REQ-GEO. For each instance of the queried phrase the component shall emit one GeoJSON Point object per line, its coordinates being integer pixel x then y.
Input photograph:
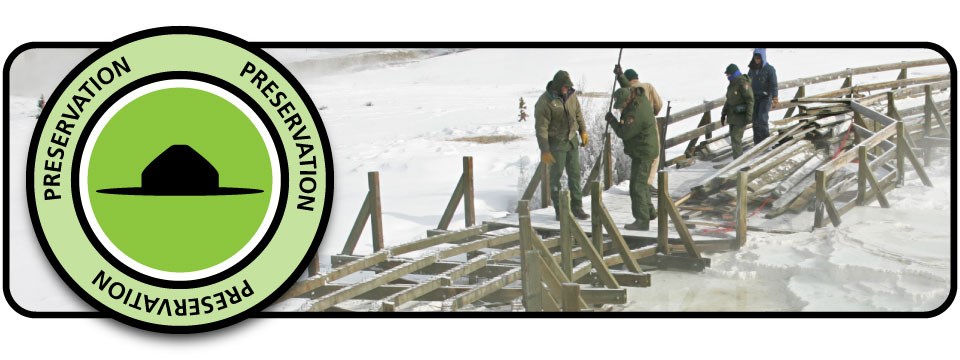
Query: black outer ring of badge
{"type": "Point", "coordinates": [97, 116]}
{"type": "Point", "coordinates": [532, 45]}
{"type": "Point", "coordinates": [31, 158]}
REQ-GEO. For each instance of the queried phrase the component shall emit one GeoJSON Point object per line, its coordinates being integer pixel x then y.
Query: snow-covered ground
{"type": "Point", "coordinates": [399, 116]}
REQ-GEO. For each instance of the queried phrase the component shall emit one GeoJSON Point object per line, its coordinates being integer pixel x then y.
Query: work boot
{"type": "Point", "coordinates": [579, 214]}
{"type": "Point", "coordinates": [638, 225]}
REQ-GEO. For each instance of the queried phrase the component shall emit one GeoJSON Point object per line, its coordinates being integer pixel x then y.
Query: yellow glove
{"type": "Point", "coordinates": [547, 158]}
{"type": "Point", "coordinates": [585, 138]}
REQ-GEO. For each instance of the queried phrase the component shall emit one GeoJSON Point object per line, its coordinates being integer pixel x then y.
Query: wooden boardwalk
{"type": "Point", "coordinates": [530, 261]}
{"type": "Point", "coordinates": [617, 201]}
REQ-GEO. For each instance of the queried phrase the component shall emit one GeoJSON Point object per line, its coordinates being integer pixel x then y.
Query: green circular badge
{"type": "Point", "coordinates": [179, 179]}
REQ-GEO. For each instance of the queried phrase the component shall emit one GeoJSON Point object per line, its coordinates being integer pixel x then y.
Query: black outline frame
{"type": "Point", "coordinates": [533, 45]}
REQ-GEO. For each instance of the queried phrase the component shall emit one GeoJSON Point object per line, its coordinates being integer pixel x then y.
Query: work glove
{"type": "Point", "coordinates": [585, 139]}
{"type": "Point", "coordinates": [610, 117]}
{"type": "Point", "coordinates": [546, 157]}
{"type": "Point", "coordinates": [617, 70]}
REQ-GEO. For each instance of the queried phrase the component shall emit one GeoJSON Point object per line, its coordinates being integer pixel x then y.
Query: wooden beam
{"type": "Point", "coordinates": [452, 204]}
{"type": "Point", "coordinates": [903, 142]}
{"type": "Point", "coordinates": [376, 214]}
{"type": "Point", "coordinates": [618, 242]}
{"type": "Point", "coordinates": [383, 278]}
{"type": "Point", "coordinates": [479, 292]}
{"type": "Point", "coordinates": [591, 253]}
{"type": "Point", "coordinates": [469, 210]}
{"type": "Point", "coordinates": [533, 185]}
{"type": "Point", "coordinates": [566, 235]}
{"type": "Point", "coordinates": [867, 177]}
{"type": "Point", "coordinates": [741, 237]}
{"type": "Point", "coordinates": [437, 240]}
{"type": "Point", "coordinates": [821, 180]}
{"type": "Point", "coordinates": [358, 226]}
{"type": "Point", "coordinates": [607, 162]}
{"type": "Point", "coordinates": [571, 297]}
{"type": "Point", "coordinates": [532, 284]}
{"type": "Point", "coordinates": [663, 227]}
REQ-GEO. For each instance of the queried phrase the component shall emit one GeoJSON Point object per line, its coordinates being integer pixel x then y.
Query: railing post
{"type": "Point", "coordinates": [607, 162]}
{"type": "Point", "coordinates": [864, 167]}
{"type": "Point", "coordinates": [901, 145]}
{"type": "Point", "coordinates": [376, 216]}
{"type": "Point", "coordinates": [927, 123]}
{"type": "Point", "coordinates": [313, 268]}
{"type": "Point", "coordinates": [571, 297]}
{"type": "Point", "coordinates": [662, 224]}
{"type": "Point", "coordinates": [545, 185]}
{"type": "Point", "coordinates": [902, 76]}
{"type": "Point", "coordinates": [523, 209]}
{"type": "Point", "coordinates": [741, 239]}
{"type": "Point", "coordinates": [892, 107]}
{"type": "Point", "coordinates": [596, 202]}
{"type": "Point", "coordinates": [801, 92]}
{"type": "Point", "coordinates": [566, 237]}
{"type": "Point", "coordinates": [529, 262]}
{"type": "Point", "coordinates": [469, 212]}
{"type": "Point", "coordinates": [820, 183]}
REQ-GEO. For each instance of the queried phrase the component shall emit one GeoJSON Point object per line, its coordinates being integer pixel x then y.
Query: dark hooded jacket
{"type": "Point", "coordinates": [763, 77]}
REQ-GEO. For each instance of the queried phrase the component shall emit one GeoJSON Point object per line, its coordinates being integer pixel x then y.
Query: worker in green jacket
{"type": "Point", "coordinates": [738, 110]}
{"type": "Point", "coordinates": [559, 120]}
{"type": "Point", "coordinates": [637, 127]}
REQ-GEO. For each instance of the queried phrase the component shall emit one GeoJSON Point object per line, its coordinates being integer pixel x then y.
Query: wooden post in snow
{"type": "Point", "coordinates": [376, 216]}
{"type": "Point", "coordinates": [469, 211]}
{"type": "Point", "coordinates": [741, 237]}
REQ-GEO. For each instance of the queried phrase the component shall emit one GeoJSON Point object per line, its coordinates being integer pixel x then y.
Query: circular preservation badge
{"type": "Point", "coordinates": [179, 179]}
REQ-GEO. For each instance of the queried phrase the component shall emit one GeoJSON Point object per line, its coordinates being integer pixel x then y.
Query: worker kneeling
{"type": "Point", "coordinates": [638, 129]}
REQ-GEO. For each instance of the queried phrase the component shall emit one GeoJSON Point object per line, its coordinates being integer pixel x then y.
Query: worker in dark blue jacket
{"type": "Point", "coordinates": [764, 80]}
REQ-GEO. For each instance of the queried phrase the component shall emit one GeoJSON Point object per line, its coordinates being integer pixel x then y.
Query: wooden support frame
{"type": "Point", "coordinates": [566, 236]}
{"type": "Point", "coordinates": [596, 225]}
{"type": "Point", "coordinates": [464, 191]}
{"type": "Point", "coordinates": [663, 197]}
{"type": "Point", "coordinates": [825, 201]}
{"type": "Point", "coordinates": [708, 133]}
{"type": "Point", "coordinates": [663, 226]}
{"type": "Point", "coordinates": [905, 150]}
{"type": "Point", "coordinates": [801, 93]}
{"type": "Point", "coordinates": [607, 162]}
{"type": "Point", "coordinates": [866, 177]}
{"type": "Point", "coordinates": [371, 209]}
{"type": "Point", "coordinates": [741, 225]}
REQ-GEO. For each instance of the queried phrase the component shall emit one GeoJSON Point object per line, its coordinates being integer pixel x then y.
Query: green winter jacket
{"type": "Point", "coordinates": [739, 92]}
{"type": "Point", "coordinates": [558, 119]}
{"type": "Point", "coordinates": [638, 128]}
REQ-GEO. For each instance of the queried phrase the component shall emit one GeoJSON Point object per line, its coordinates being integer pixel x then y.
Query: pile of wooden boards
{"type": "Point", "coordinates": [780, 170]}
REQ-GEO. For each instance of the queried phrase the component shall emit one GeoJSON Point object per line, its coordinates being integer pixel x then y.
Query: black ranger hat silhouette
{"type": "Point", "coordinates": [180, 171]}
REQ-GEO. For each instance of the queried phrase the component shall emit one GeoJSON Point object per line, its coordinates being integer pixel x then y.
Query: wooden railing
{"type": "Point", "coordinates": [869, 187]}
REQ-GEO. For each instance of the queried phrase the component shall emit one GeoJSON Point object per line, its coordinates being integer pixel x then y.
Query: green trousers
{"type": "Point", "coordinates": [567, 155]}
{"type": "Point", "coordinates": [640, 202]}
{"type": "Point", "coordinates": [736, 139]}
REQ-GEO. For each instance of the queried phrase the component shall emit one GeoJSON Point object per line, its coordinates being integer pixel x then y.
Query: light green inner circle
{"type": "Point", "coordinates": [179, 233]}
